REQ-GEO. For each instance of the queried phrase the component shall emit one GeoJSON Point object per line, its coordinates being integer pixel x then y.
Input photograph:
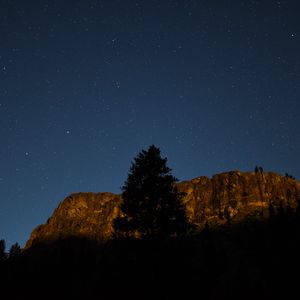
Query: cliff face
{"type": "Point", "coordinates": [236, 196]}
{"type": "Point", "coordinates": [228, 196]}
{"type": "Point", "coordinates": [81, 215]}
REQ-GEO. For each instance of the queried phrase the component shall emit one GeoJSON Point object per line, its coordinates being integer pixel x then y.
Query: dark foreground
{"type": "Point", "coordinates": [253, 260]}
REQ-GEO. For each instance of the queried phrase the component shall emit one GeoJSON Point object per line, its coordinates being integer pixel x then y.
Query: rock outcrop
{"type": "Point", "coordinates": [232, 196]}
{"type": "Point", "coordinates": [80, 215]}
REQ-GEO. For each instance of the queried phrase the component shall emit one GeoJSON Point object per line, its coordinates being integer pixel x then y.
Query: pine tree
{"type": "Point", "coordinates": [151, 207]}
{"type": "Point", "coordinates": [14, 250]}
{"type": "Point", "coordinates": [2, 250]}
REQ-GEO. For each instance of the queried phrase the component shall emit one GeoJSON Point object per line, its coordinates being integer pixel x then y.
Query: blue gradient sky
{"type": "Point", "coordinates": [85, 85]}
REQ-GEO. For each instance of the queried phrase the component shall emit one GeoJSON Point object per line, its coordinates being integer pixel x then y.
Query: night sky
{"type": "Point", "coordinates": [85, 85]}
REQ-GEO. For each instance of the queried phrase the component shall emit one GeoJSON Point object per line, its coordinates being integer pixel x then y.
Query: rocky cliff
{"type": "Point", "coordinates": [231, 196]}
{"type": "Point", "coordinates": [81, 215]}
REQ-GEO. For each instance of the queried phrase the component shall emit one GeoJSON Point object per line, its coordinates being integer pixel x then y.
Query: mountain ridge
{"type": "Point", "coordinates": [225, 197]}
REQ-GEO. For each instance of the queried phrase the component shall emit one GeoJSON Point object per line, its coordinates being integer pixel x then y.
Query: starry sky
{"type": "Point", "coordinates": [85, 85]}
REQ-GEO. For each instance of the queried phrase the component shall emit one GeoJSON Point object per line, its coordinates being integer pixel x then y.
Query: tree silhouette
{"type": "Point", "coordinates": [2, 250]}
{"type": "Point", "coordinates": [272, 212]}
{"type": "Point", "coordinates": [14, 250]}
{"type": "Point", "coordinates": [258, 169]}
{"type": "Point", "coordinates": [287, 175]}
{"type": "Point", "coordinates": [151, 207]}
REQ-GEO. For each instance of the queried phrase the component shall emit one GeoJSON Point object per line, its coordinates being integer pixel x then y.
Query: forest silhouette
{"type": "Point", "coordinates": [156, 254]}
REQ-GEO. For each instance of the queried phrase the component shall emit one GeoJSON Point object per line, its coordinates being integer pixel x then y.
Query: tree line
{"type": "Point", "coordinates": [14, 251]}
